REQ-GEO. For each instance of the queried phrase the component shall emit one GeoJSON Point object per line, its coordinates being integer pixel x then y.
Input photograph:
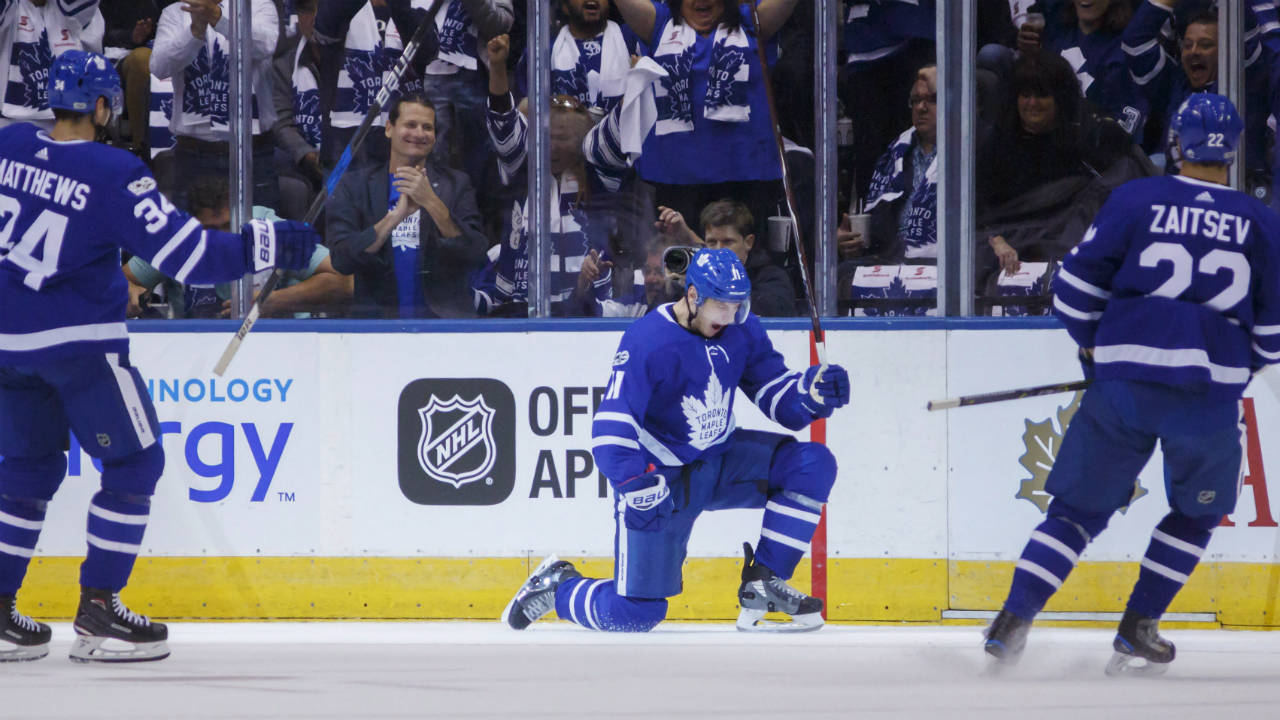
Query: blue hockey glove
{"type": "Point", "coordinates": [1085, 355]}
{"type": "Point", "coordinates": [830, 385]}
{"type": "Point", "coordinates": [284, 244]}
{"type": "Point", "coordinates": [647, 501]}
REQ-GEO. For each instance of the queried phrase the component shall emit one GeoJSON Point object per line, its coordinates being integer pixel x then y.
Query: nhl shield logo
{"type": "Point", "coordinates": [456, 445]}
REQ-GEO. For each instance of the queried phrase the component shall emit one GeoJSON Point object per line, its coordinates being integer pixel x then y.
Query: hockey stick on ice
{"type": "Point", "coordinates": [375, 109]}
{"type": "Point", "coordinates": [819, 339]}
{"type": "Point", "coordinates": [1003, 395]}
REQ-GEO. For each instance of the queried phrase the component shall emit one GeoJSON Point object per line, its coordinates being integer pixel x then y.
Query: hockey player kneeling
{"type": "Point", "coordinates": [665, 437]}
{"type": "Point", "coordinates": [1174, 299]}
{"type": "Point", "coordinates": [67, 206]}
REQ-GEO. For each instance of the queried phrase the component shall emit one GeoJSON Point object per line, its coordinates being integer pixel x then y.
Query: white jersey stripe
{"type": "Point", "coordinates": [113, 546]}
{"type": "Point", "coordinates": [588, 610]}
{"type": "Point", "coordinates": [1082, 285]}
{"type": "Point", "coordinates": [617, 417]}
{"type": "Point", "coordinates": [25, 342]}
{"type": "Point", "coordinates": [177, 239]}
{"type": "Point", "coordinates": [809, 517]}
{"type": "Point", "coordinates": [1177, 544]}
{"type": "Point", "coordinates": [15, 521]}
{"type": "Point", "coordinates": [1168, 572]}
{"type": "Point", "coordinates": [194, 259]}
{"type": "Point", "coordinates": [115, 517]}
{"type": "Point", "coordinates": [1161, 357]}
{"type": "Point", "coordinates": [784, 539]}
{"type": "Point", "coordinates": [1034, 569]}
{"type": "Point", "coordinates": [1056, 545]}
{"type": "Point", "coordinates": [1071, 312]}
{"type": "Point", "coordinates": [133, 405]}
{"type": "Point", "coordinates": [21, 552]}
{"type": "Point", "coordinates": [604, 440]}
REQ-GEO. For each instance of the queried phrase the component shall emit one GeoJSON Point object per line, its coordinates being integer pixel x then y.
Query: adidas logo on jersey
{"type": "Point", "coordinates": [43, 154]}
{"type": "Point", "coordinates": [1204, 197]}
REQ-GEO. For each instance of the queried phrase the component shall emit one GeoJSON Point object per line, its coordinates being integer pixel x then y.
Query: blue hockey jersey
{"type": "Point", "coordinates": [670, 396]}
{"type": "Point", "coordinates": [66, 209]}
{"type": "Point", "coordinates": [1177, 282]}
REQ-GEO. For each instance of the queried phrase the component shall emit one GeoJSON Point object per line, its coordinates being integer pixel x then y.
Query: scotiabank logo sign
{"type": "Point", "coordinates": [457, 441]}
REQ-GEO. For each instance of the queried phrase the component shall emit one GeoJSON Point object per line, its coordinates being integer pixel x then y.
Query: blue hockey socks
{"type": "Point", "coordinates": [20, 524]}
{"type": "Point", "coordinates": [1176, 546]}
{"type": "Point", "coordinates": [790, 520]}
{"type": "Point", "coordinates": [116, 525]}
{"type": "Point", "coordinates": [594, 604]}
{"type": "Point", "coordinates": [1047, 560]}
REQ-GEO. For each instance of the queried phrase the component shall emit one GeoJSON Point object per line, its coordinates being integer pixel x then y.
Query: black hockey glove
{"type": "Point", "coordinates": [284, 244]}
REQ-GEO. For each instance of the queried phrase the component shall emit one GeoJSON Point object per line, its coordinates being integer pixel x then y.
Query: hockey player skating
{"type": "Point", "coordinates": [67, 206]}
{"type": "Point", "coordinates": [1174, 299]}
{"type": "Point", "coordinates": [665, 437]}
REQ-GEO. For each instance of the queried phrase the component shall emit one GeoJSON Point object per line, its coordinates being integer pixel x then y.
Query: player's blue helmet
{"type": "Point", "coordinates": [1208, 129]}
{"type": "Point", "coordinates": [78, 78]}
{"type": "Point", "coordinates": [719, 275]}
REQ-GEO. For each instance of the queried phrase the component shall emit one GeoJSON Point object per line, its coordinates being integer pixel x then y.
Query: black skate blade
{"type": "Point", "coordinates": [1126, 665]}
{"type": "Point", "coordinates": [754, 621]}
{"type": "Point", "coordinates": [95, 649]}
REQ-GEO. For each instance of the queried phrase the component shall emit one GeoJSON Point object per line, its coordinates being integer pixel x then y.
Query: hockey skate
{"type": "Point", "coordinates": [764, 592]}
{"type": "Point", "coordinates": [107, 631]}
{"type": "Point", "coordinates": [537, 596]}
{"type": "Point", "coordinates": [1006, 638]}
{"type": "Point", "coordinates": [21, 638]}
{"type": "Point", "coordinates": [1140, 651]}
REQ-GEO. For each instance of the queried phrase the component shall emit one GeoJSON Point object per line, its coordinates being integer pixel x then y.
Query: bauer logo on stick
{"type": "Point", "coordinates": [457, 441]}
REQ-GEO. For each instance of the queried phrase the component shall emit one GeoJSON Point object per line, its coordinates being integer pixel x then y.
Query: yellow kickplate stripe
{"type": "Point", "coordinates": [859, 589]}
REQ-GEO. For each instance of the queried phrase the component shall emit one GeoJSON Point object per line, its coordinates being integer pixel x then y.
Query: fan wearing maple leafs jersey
{"type": "Point", "coordinates": [1174, 299]}
{"type": "Point", "coordinates": [665, 437]}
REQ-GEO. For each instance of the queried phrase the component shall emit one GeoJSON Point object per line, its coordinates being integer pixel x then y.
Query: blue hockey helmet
{"type": "Point", "coordinates": [1207, 128]}
{"type": "Point", "coordinates": [78, 78]}
{"type": "Point", "coordinates": [719, 275]}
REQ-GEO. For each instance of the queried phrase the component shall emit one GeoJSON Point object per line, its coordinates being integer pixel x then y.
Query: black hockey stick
{"type": "Point", "coordinates": [1003, 395]}
{"type": "Point", "coordinates": [819, 339]}
{"type": "Point", "coordinates": [317, 206]}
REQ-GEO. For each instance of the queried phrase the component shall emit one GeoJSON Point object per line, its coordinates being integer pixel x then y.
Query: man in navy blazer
{"type": "Point", "coordinates": [410, 230]}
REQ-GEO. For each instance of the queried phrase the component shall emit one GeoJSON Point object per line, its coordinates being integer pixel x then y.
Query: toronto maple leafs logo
{"type": "Point", "coordinates": [676, 104]}
{"type": "Point", "coordinates": [1042, 441]}
{"type": "Point", "coordinates": [723, 89]}
{"type": "Point", "coordinates": [33, 61]}
{"type": "Point", "coordinates": [453, 31]}
{"type": "Point", "coordinates": [364, 67]}
{"type": "Point", "coordinates": [708, 417]}
{"type": "Point", "coordinates": [306, 113]}
{"type": "Point", "coordinates": [572, 82]}
{"type": "Point", "coordinates": [206, 83]}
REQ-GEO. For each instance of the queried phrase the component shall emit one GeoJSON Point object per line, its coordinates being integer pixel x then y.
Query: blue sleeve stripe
{"type": "Point", "coordinates": [194, 259]}
{"type": "Point", "coordinates": [177, 239]}
{"type": "Point", "coordinates": [1082, 285]}
{"type": "Point", "coordinates": [603, 440]}
{"type": "Point", "coordinates": [1073, 313]}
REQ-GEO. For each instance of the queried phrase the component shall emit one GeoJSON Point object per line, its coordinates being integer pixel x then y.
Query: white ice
{"type": "Point", "coordinates": [554, 670]}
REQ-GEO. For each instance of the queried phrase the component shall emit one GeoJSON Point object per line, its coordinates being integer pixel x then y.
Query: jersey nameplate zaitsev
{"type": "Point", "coordinates": [1177, 282]}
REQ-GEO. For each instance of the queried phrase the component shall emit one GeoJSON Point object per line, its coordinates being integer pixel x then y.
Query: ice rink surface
{"type": "Point", "coordinates": [554, 670]}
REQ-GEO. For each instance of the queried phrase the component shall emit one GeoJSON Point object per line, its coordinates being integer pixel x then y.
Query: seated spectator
{"type": "Point", "coordinates": [32, 34]}
{"type": "Point", "coordinates": [408, 229]}
{"type": "Point", "coordinates": [728, 224]}
{"type": "Point", "coordinates": [590, 56]}
{"type": "Point", "coordinates": [455, 81]}
{"type": "Point", "coordinates": [903, 198]}
{"type": "Point", "coordinates": [362, 39]}
{"type": "Point", "coordinates": [581, 275]}
{"type": "Point", "coordinates": [1045, 167]}
{"type": "Point", "coordinates": [1087, 34]}
{"type": "Point", "coordinates": [130, 27]}
{"type": "Point", "coordinates": [316, 289]}
{"type": "Point", "coordinates": [712, 97]}
{"type": "Point", "coordinates": [1166, 81]}
{"type": "Point", "coordinates": [192, 48]}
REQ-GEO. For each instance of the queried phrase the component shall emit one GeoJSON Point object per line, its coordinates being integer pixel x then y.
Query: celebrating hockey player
{"type": "Point", "coordinates": [665, 437]}
{"type": "Point", "coordinates": [1174, 299]}
{"type": "Point", "coordinates": [67, 206]}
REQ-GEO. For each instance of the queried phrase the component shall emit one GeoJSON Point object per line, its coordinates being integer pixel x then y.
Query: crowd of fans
{"type": "Point", "coordinates": [660, 136]}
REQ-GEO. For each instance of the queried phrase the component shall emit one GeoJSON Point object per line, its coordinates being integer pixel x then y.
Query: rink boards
{"type": "Point", "coordinates": [418, 475]}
